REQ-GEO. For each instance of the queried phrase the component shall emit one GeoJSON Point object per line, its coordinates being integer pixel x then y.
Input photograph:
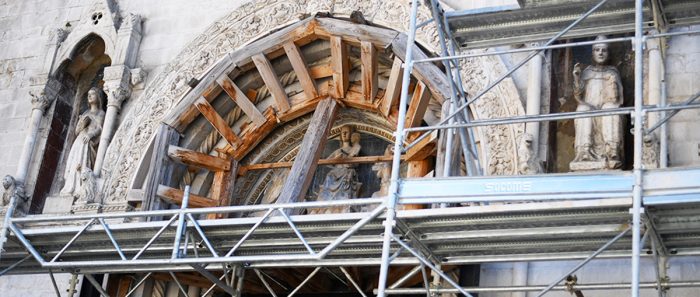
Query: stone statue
{"type": "Point", "coordinates": [598, 87]}
{"type": "Point", "coordinates": [341, 182]}
{"type": "Point", "coordinates": [14, 188]}
{"type": "Point", "coordinates": [528, 163]}
{"type": "Point", "coordinates": [84, 148]}
{"type": "Point", "coordinates": [86, 192]}
{"type": "Point", "coordinates": [383, 171]}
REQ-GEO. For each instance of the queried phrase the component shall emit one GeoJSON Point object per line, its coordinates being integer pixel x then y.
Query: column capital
{"type": "Point", "coordinates": [39, 100]}
{"type": "Point", "coordinates": [116, 95]}
{"type": "Point", "coordinates": [57, 36]}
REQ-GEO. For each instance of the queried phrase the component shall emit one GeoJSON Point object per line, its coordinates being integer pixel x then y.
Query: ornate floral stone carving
{"type": "Point", "coordinates": [259, 17]}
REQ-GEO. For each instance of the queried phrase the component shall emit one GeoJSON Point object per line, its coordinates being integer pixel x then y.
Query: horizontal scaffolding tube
{"type": "Point", "coordinates": [207, 210]}
{"type": "Point", "coordinates": [410, 291]}
{"type": "Point", "coordinates": [555, 46]}
{"type": "Point", "coordinates": [529, 49]}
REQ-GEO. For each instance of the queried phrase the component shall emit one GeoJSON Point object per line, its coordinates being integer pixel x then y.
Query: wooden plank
{"type": "Point", "coordinates": [161, 169]}
{"type": "Point", "coordinates": [222, 187]}
{"type": "Point", "coordinates": [217, 121]}
{"type": "Point", "coordinates": [175, 196]}
{"type": "Point", "coordinates": [368, 56]}
{"type": "Point", "coordinates": [241, 100]}
{"type": "Point", "coordinates": [417, 106]}
{"type": "Point", "coordinates": [197, 159]}
{"type": "Point", "coordinates": [251, 136]}
{"type": "Point", "coordinates": [428, 73]}
{"type": "Point", "coordinates": [312, 145]}
{"type": "Point", "coordinates": [321, 71]}
{"type": "Point", "coordinates": [339, 64]}
{"type": "Point", "coordinates": [354, 160]}
{"type": "Point", "coordinates": [272, 82]}
{"type": "Point", "coordinates": [354, 33]}
{"type": "Point", "coordinates": [418, 168]}
{"type": "Point", "coordinates": [393, 88]}
{"type": "Point", "coordinates": [423, 149]}
{"type": "Point", "coordinates": [302, 72]}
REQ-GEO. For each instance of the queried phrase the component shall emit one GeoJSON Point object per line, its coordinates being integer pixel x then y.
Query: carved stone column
{"type": "Point", "coordinates": [534, 97]}
{"type": "Point", "coordinates": [115, 98]}
{"type": "Point", "coordinates": [650, 150]}
{"type": "Point", "coordinates": [40, 102]}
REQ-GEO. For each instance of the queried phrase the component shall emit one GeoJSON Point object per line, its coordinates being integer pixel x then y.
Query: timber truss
{"type": "Point", "coordinates": [567, 216]}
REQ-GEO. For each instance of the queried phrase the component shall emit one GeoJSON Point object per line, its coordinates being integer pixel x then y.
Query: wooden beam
{"type": "Point", "coordinates": [241, 100]}
{"type": "Point", "coordinates": [217, 121]}
{"type": "Point", "coordinates": [222, 187]}
{"type": "Point", "coordinates": [354, 160]}
{"type": "Point", "coordinates": [428, 73]}
{"type": "Point", "coordinates": [197, 159]}
{"type": "Point", "coordinates": [161, 169]}
{"type": "Point", "coordinates": [393, 88]}
{"type": "Point", "coordinates": [423, 149]}
{"type": "Point", "coordinates": [368, 55]}
{"type": "Point", "coordinates": [417, 106]}
{"type": "Point", "coordinates": [272, 82]}
{"type": "Point", "coordinates": [320, 71]}
{"type": "Point", "coordinates": [312, 145]}
{"type": "Point", "coordinates": [175, 196]}
{"type": "Point", "coordinates": [302, 72]}
{"type": "Point", "coordinates": [251, 136]}
{"type": "Point", "coordinates": [354, 33]}
{"type": "Point", "coordinates": [339, 64]}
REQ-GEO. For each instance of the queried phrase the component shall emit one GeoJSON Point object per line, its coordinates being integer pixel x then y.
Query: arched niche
{"type": "Point", "coordinates": [252, 22]}
{"type": "Point", "coordinates": [80, 71]}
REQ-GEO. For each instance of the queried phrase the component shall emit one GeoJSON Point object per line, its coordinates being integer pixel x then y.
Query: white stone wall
{"type": "Point", "coordinates": [604, 271]}
{"type": "Point", "coordinates": [682, 81]}
{"type": "Point", "coordinates": [35, 285]}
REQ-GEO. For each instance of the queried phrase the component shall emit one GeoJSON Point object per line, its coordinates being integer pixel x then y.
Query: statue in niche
{"type": "Point", "coordinates": [528, 162]}
{"type": "Point", "coordinates": [341, 182]}
{"type": "Point", "coordinates": [82, 153]}
{"type": "Point", "coordinates": [597, 87]}
{"type": "Point", "coordinates": [14, 188]}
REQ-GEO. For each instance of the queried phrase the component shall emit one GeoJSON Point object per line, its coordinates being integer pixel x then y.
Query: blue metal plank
{"type": "Point", "coordinates": [535, 187]}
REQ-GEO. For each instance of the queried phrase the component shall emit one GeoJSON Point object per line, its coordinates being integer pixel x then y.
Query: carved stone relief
{"type": "Point", "coordinates": [256, 18]}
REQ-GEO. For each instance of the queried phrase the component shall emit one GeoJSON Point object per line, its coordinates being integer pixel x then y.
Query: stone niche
{"type": "Point", "coordinates": [562, 135]}
{"type": "Point", "coordinates": [79, 74]}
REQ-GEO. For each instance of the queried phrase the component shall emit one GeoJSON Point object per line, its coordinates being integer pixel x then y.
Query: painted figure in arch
{"type": "Point", "coordinates": [597, 87]}
{"type": "Point", "coordinates": [82, 152]}
{"type": "Point", "coordinates": [342, 182]}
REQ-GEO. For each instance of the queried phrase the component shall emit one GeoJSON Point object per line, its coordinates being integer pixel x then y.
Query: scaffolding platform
{"type": "Point", "coordinates": [569, 217]}
{"type": "Point", "coordinates": [538, 20]}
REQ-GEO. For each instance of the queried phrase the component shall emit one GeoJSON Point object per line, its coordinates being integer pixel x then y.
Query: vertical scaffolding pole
{"type": "Point", "coordinates": [393, 195]}
{"type": "Point", "coordinates": [638, 122]}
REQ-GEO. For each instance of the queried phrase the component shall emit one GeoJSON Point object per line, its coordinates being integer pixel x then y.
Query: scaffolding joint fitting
{"type": "Point", "coordinates": [641, 210]}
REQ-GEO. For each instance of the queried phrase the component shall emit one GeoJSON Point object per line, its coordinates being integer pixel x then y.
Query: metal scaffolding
{"type": "Point", "coordinates": [605, 212]}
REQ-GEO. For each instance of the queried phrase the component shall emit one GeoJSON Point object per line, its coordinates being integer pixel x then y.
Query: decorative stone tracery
{"type": "Point", "coordinates": [260, 17]}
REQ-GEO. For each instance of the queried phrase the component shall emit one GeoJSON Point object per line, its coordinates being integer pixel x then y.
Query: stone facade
{"type": "Point", "coordinates": [180, 40]}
